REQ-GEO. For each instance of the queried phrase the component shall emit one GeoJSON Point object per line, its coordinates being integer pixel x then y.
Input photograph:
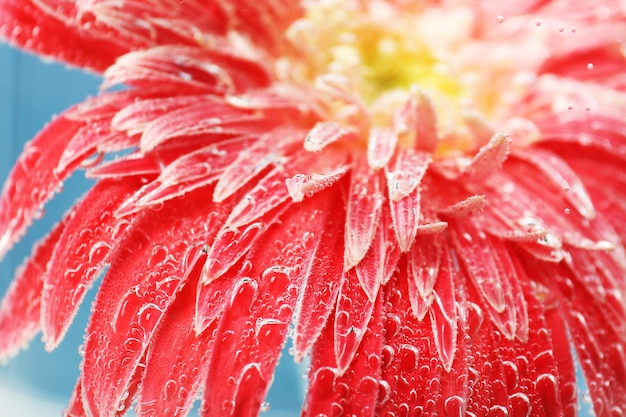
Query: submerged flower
{"type": "Point", "coordinates": [427, 197]}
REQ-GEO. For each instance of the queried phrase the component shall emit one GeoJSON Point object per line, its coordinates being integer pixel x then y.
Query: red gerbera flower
{"type": "Point", "coordinates": [427, 197]}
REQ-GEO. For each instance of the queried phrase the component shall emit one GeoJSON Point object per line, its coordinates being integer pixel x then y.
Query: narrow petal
{"type": "Point", "coordinates": [171, 390]}
{"type": "Point", "coordinates": [91, 232]}
{"type": "Point", "coordinates": [381, 145]}
{"type": "Point", "coordinates": [356, 390]}
{"type": "Point", "coordinates": [325, 133]}
{"type": "Point", "coordinates": [48, 27]}
{"type": "Point", "coordinates": [403, 182]}
{"type": "Point", "coordinates": [489, 158]}
{"type": "Point", "coordinates": [35, 170]}
{"type": "Point", "coordinates": [20, 310]}
{"type": "Point", "coordinates": [365, 201]}
{"type": "Point", "coordinates": [119, 333]}
{"type": "Point", "coordinates": [380, 261]}
{"type": "Point", "coordinates": [254, 323]}
{"type": "Point", "coordinates": [352, 315]}
{"type": "Point", "coordinates": [416, 122]}
{"type": "Point", "coordinates": [322, 279]}
{"type": "Point", "coordinates": [488, 265]}
{"type": "Point", "coordinates": [250, 162]}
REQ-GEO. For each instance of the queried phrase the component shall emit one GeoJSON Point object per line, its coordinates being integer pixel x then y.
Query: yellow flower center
{"type": "Point", "coordinates": [376, 54]}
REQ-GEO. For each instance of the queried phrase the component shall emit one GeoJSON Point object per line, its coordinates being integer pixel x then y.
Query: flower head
{"type": "Point", "coordinates": [427, 197]}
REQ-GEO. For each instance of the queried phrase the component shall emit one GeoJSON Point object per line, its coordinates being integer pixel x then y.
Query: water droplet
{"type": "Point", "coordinates": [537, 23]}
{"type": "Point", "coordinates": [454, 406]}
{"type": "Point", "coordinates": [169, 389]}
{"type": "Point", "coordinates": [408, 358]}
{"type": "Point", "coordinates": [546, 386]}
{"type": "Point", "coordinates": [590, 66]}
{"type": "Point", "coordinates": [265, 407]}
{"type": "Point", "coordinates": [511, 374]}
{"type": "Point", "coordinates": [572, 29]}
{"type": "Point", "coordinates": [568, 211]}
{"type": "Point", "coordinates": [500, 19]}
{"type": "Point", "coordinates": [367, 386]}
{"type": "Point", "coordinates": [498, 411]}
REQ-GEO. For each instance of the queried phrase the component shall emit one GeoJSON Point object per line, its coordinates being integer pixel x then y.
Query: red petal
{"type": "Point", "coordinates": [90, 233]}
{"type": "Point", "coordinates": [443, 312]}
{"type": "Point", "coordinates": [254, 324]}
{"type": "Point", "coordinates": [53, 28]}
{"type": "Point", "coordinates": [20, 311]}
{"type": "Point", "coordinates": [352, 315]}
{"type": "Point", "coordinates": [187, 69]}
{"type": "Point", "coordinates": [489, 266]}
{"type": "Point", "coordinates": [120, 331]}
{"type": "Point", "coordinates": [403, 182]}
{"type": "Point", "coordinates": [380, 261]}
{"type": "Point", "coordinates": [36, 171]}
{"type": "Point", "coordinates": [325, 133]}
{"type": "Point", "coordinates": [176, 363]}
{"type": "Point", "coordinates": [322, 278]}
{"type": "Point", "coordinates": [332, 169]}
{"type": "Point", "coordinates": [416, 122]}
{"type": "Point", "coordinates": [75, 407]}
{"type": "Point", "coordinates": [355, 391]}
{"type": "Point", "coordinates": [250, 162]}
{"type": "Point", "coordinates": [412, 377]}
{"type": "Point", "coordinates": [562, 176]}
{"type": "Point", "coordinates": [381, 144]}
{"type": "Point", "coordinates": [488, 159]}
{"type": "Point", "coordinates": [365, 201]}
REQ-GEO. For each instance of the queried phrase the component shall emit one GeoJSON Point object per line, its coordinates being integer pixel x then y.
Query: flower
{"type": "Point", "coordinates": [426, 197]}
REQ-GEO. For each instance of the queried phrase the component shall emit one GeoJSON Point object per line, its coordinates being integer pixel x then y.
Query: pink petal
{"type": "Point", "coordinates": [204, 119]}
{"type": "Point", "coordinates": [250, 162]}
{"type": "Point", "coordinates": [270, 191]}
{"type": "Point", "coordinates": [171, 390]}
{"type": "Point", "coordinates": [356, 390]}
{"type": "Point", "coordinates": [443, 313]}
{"type": "Point", "coordinates": [488, 265]}
{"type": "Point", "coordinates": [489, 158]}
{"type": "Point", "coordinates": [301, 185]}
{"type": "Point", "coordinates": [380, 261]}
{"type": "Point", "coordinates": [411, 379]}
{"type": "Point", "coordinates": [231, 244]}
{"type": "Point", "coordinates": [36, 171]}
{"type": "Point", "coordinates": [562, 176]}
{"type": "Point", "coordinates": [193, 170]}
{"type": "Point", "coordinates": [325, 133]}
{"type": "Point", "coordinates": [365, 201]}
{"type": "Point", "coordinates": [20, 310]}
{"type": "Point", "coordinates": [352, 315]}
{"type": "Point", "coordinates": [254, 325]}
{"type": "Point", "coordinates": [119, 332]}
{"type": "Point", "coordinates": [90, 233]}
{"type": "Point", "coordinates": [416, 122]}
{"type": "Point", "coordinates": [381, 144]}
{"type": "Point", "coordinates": [128, 165]}
{"type": "Point", "coordinates": [49, 28]}
{"type": "Point", "coordinates": [187, 69]}
{"type": "Point", "coordinates": [424, 260]}
{"type": "Point", "coordinates": [403, 182]}
{"type": "Point", "coordinates": [322, 277]}
{"type": "Point", "coordinates": [134, 118]}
